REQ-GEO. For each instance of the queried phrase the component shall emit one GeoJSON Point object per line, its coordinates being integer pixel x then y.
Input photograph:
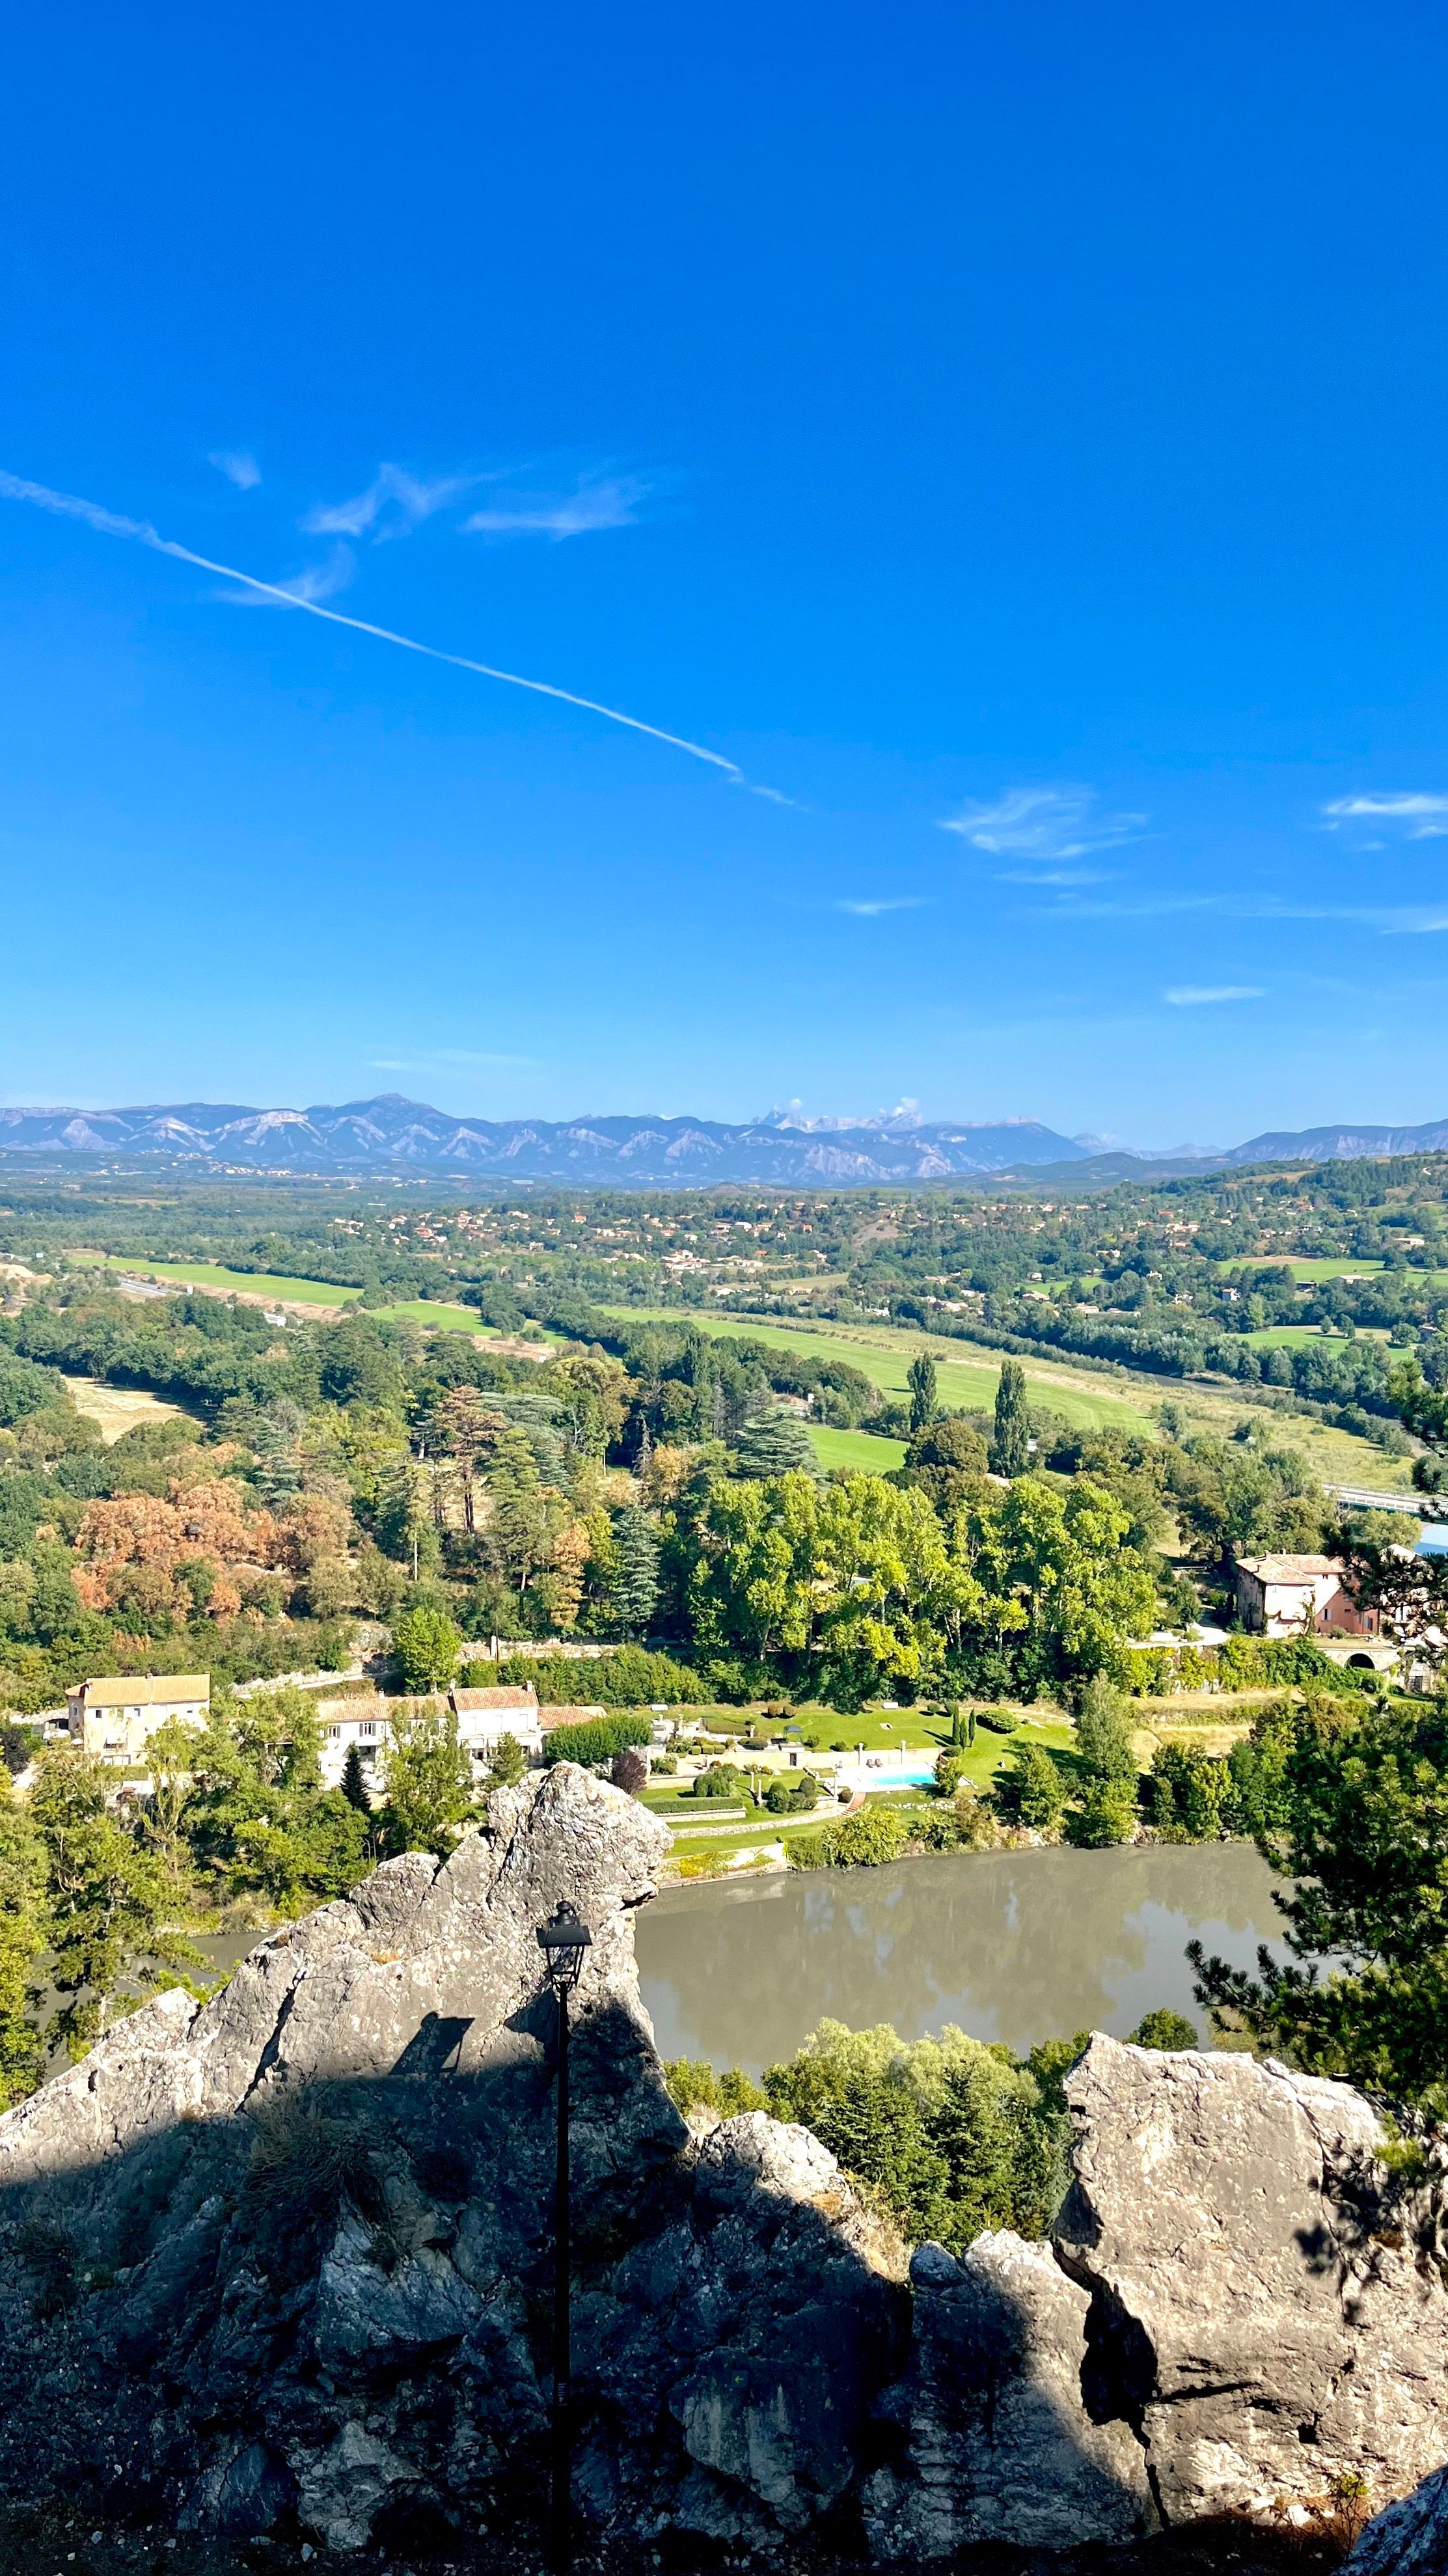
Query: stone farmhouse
{"type": "Point", "coordinates": [1295, 1596]}
{"type": "Point", "coordinates": [114, 1717]}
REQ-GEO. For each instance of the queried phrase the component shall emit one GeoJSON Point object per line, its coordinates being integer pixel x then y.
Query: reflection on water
{"type": "Point", "coordinates": [1014, 1946]}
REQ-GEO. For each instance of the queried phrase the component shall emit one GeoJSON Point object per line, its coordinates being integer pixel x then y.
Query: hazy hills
{"type": "Point", "coordinates": [665, 1153]}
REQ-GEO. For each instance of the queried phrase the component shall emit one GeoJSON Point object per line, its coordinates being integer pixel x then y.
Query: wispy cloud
{"type": "Point", "coordinates": [303, 589]}
{"type": "Point", "coordinates": [1042, 827]}
{"type": "Point", "coordinates": [1422, 817]}
{"type": "Point", "coordinates": [1186, 996]}
{"type": "Point", "coordinates": [237, 466]}
{"type": "Point", "coordinates": [394, 503]}
{"type": "Point", "coordinates": [867, 906]}
{"type": "Point", "coordinates": [596, 501]}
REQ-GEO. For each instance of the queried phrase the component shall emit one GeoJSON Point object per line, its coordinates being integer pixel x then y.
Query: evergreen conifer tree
{"type": "Point", "coordinates": [1009, 1450]}
{"type": "Point", "coordinates": [770, 1442]}
{"type": "Point", "coordinates": [354, 1782]}
{"type": "Point", "coordinates": [635, 1586]}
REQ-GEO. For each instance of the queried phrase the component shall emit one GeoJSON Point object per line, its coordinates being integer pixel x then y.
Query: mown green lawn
{"type": "Point", "coordinates": [1309, 1269]}
{"type": "Point", "coordinates": [1292, 1337]}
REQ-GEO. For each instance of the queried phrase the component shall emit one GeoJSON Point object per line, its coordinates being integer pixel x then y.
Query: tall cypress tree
{"type": "Point", "coordinates": [1009, 1450]}
{"type": "Point", "coordinates": [924, 1398]}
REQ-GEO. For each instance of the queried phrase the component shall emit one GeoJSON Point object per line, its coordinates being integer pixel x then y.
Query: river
{"type": "Point", "coordinates": [1014, 1946]}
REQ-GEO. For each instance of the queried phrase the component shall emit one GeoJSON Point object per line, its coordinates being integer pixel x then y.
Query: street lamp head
{"type": "Point", "coordinates": [563, 1940]}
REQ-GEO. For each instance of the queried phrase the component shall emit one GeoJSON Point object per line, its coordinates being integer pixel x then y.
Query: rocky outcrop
{"type": "Point", "coordinates": [282, 2262]}
{"type": "Point", "coordinates": [998, 2445]}
{"type": "Point", "coordinates": [1410, 2538]}
{"type": "Point", "coordinates": [287, 2254]}
{"type": "Point", "coordinates": [1260, 2315]}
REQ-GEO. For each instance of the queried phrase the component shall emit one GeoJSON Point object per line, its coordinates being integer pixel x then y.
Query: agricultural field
{"type": "Point", "coordinates": [885, 1354]}
{"type": "Point", "coordinates": [325, 1295]}
{"type": "Point", "coordinates": [863, 1452]}
{"type": "Point", "coordinates": [1127, 1399]}
{"type": "Point", "coordinates": [119, 1409]}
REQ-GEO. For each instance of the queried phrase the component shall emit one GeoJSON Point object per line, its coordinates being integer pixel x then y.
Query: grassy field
{"type": "Point", "coordinates": [885, 1354]}
{"type": "Point", "coordinates": [1130, 1400]}
{"type": "Point", "coordinates": [250, 1283]}
{"type": "Point", "coordinates": [860, 1450]}
{"type": "Point", "coordinates": [297, 1292]}
{"type": "Point", "coordinates": [1307, 1269]}
{"type": "Point", "coordinates": [1292, 1337]}
{"type": "Point", "coordinates": [118, 1409]}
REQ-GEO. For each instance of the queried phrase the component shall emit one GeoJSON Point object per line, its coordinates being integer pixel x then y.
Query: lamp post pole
{"type": "Point", "coordinates": [563, 1940]}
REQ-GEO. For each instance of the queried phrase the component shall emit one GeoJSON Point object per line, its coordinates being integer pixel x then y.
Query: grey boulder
{"type": "Point", "coordinates": [1258, 2315]}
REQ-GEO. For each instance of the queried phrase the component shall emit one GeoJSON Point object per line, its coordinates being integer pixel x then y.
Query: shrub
{"type": "Point", "coordinates": [1165, 2029]}
{"type": "Point", "coordinates": [694, 2085]}
{"type": "Point", "coordinates": [1001, 1721]}
{"type": "Point", "coordinates": [865, 1841]}
{"type": "Point", "coordinates": [597, 1741]}
{"type": "Point", "coordinates": [1106, 1815]}
{"type": "Point", "coordinates": [1029, 1789]}
{"type": "Point", "coordinates": [721, 1780]}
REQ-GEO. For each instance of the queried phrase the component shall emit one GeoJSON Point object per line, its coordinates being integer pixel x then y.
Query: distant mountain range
{"type": "Point", "coordinates": [639, 1153]}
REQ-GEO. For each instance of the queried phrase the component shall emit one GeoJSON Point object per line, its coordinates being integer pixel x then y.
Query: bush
{"type": "Point", "coordinates": [631, 1770]}
{"type": "Point", "coordinates": [1106, 1815]}
{"type": "Point", "coordinates": [1029, 1789]}
{"type": "Point", "coordinates": [721, 1780]}
{"type": "Point", "coordinates": [865, 1841]}
{"type": "Point", "coordinates": [694, 2085]}
{"type": "Point", "coordinates": [1001, 1721]}
{"type": "Point", "coordinates": [1164, 2029]}
{"type": "Point", "coordinates": [598, 1741]}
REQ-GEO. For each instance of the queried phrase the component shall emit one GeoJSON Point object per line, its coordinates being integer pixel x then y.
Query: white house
{"type": "Point", "coordinates": [347, 1722]}
{"type": "Point", "coordinates": [485, 1716]}
{"type": "Point", "coordinates": [115, 1716]}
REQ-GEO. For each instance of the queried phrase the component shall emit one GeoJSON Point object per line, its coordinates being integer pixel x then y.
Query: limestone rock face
{"type": "Point", "coordinates": [287, 2256]}
{"type": "Point", "coordinates": [999, 2444]}
{"type": "Point", "coordinates": [283, 2262]}
{"type": "Point", "coordinates": [1251, 2317]}
{"type": "Point", "coordinates": [1411, 2537]}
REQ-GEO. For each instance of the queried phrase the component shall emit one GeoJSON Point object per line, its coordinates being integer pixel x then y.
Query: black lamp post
{"type": "Point", "coordinates": [562, 1940]}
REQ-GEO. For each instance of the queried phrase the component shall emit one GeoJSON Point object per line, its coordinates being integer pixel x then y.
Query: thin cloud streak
{"type": "Point", "coordinates": [1188, 996]}
{"type": "Point", "coordinates": [237, 466]}
{"type": "Point", "coordinates": [303, 589]}
{"type": "Point", "coordinates": [1426, 815]}
{"type": "Point", "coordinates": [601, 501]}
{"type": "Point", "coordinates": [108, 523]}
{"type": "Point", "coordinates": [867, 907]}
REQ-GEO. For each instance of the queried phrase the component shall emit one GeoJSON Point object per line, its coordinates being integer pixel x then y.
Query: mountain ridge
{"type": "Point", "coordinates": [390, 1131]}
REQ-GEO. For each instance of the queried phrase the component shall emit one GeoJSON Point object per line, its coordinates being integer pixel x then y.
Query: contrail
{"type": "Point", "coordinates": [107, 523]}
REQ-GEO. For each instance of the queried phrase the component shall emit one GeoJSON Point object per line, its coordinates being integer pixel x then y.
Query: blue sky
{"type": "Point", "coordinates": [1014, 436]}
